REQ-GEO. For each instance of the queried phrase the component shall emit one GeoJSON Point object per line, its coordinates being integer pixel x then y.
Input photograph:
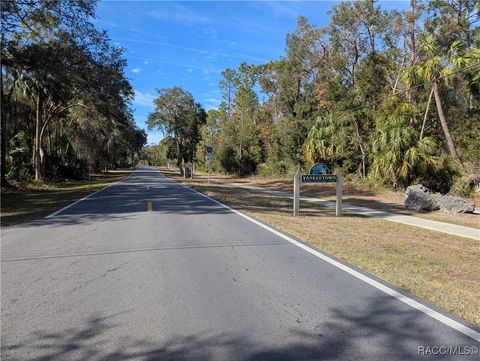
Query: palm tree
{"type": "Point", "coordinates": [435, 70]}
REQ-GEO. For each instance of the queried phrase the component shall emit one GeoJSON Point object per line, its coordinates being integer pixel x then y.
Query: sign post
{"type": "Point", "coordinates": [319, 173]}
{"type": "Point", "coordinates": [296, 193]}
{"type": "Point", "coordinates": [339, 188]}
{"type": "Point", "coordinates": [209, 162]}
{"type": "Point", "coordinates": [209, 159]}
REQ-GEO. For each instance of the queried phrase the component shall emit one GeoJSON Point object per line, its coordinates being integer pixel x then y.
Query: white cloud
{"type": "Point", "coordinates": [205, 71]}
{"type": "Point", "coordinates": [143, 99]}
{"type": "Point", "coordinates": [211, 103]}
{"type": "Point", "coordinates": [213, 100]}
{"type": "Point", "coordinates": [136, 70]}
{"type": "Point", "coordinates": [190, 70]}
{"type": "Point", "coordinates": [146, 62]}
{"type": "Point", "coordinates": [136, 30]}
{"type": "Point", "coordinates": [177, 13]}
{"type": "Point", "coordinates": [211, 56]}
{"type": "Point", "coordinates": [209, 32]}
{"type": "Point", "coordinates": [107, 23]}
{"type": "Point", "coordinates": [283, 9]}
{"type": "Point", "coordinates": [159, 43]}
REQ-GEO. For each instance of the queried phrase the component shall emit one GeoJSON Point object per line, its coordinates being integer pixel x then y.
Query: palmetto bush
{"type": "Point", "coordinates": [398, 155]}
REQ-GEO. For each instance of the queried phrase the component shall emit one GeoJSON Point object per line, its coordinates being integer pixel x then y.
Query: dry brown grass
{"type": "Point", "coordinates": [438, 267]}
{"type": "Point", "coordinates": [353, 193]}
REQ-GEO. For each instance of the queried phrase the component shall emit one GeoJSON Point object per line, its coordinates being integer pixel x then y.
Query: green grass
{"type": "Point", "coordinates": [27, 202]}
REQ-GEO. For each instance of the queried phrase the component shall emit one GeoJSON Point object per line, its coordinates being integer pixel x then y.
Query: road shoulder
{"type": "Point", "coordinates": [417, 260]}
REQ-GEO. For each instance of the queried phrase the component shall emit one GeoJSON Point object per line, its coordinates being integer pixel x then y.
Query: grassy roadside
{"type": "Point", "coordinates": [356, 195]}
{"type": "Point", "coordinates": [32, 201]}
{"type": "Point", "coordinates": [438, 267]}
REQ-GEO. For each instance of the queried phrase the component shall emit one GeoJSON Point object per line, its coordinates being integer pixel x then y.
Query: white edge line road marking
{"type": "Point", "coordinates": [88, 196]}
{"type": "Point", "coordinates": [405, 299]}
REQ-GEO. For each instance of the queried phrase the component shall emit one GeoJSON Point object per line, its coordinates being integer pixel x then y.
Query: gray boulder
{"type": "Point", "coordinates": [420, 198]}
{"type": "Point", "coordinates": [456, 205]}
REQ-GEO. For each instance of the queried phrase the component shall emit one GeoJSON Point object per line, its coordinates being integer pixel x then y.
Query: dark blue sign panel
{"type": "Point", "coordinates": [319, 168]}
{"type": "Point", "coordinates": [209, 150]}
{"type": "Point", "coordinates": [319, 178]}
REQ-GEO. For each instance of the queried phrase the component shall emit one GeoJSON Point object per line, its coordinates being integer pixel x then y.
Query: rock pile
{"type": "Point", "coordinates": [420, 198]}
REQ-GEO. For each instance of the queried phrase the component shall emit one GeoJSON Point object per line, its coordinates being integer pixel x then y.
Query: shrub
{"type": "Point", "coordinates": [228, 160]}
{"type": "Point", "coordinates": [468, 184]}
{"type": "Point", "coordinates": [19, 158]}
{"type": "Point", "coordinates": [276, 169]}
{"type": "Point", "coordinates": [439, 179]}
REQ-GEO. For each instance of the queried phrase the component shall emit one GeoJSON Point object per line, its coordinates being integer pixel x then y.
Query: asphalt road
{"type": "Point", "coordinates": [107, 279]}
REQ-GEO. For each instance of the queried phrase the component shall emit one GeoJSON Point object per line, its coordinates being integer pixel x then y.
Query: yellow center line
{"type": "Point", "coordinates": [149, 206]}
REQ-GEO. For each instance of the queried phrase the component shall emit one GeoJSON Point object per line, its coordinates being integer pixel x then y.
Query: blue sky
{"type": "Point", "coordinates": [188, 44]}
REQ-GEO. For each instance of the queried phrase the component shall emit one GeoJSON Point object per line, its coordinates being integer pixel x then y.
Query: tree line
{"type": "Point", "coordinates": [65, 98]}
{"type": "Point", "coordinates": [384, 95]}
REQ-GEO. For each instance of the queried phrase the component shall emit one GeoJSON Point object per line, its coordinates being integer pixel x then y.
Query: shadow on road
{"type": "Point", "coordinates": [370, 333]}
{"type": "Point", "coordinates": [130, 197]}
{"type": "Point", "coordinates": [126, 200]}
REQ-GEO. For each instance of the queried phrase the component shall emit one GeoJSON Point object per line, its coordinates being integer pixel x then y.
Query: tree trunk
{"type": "Point", "coordinates": [180, 157]}
{"type": "Point", "coordinates": [359, 140]}
{"type": "Point", "coordinates": [38, 157]}
{"type": "Point", "coordinates": [426, 114]}
{"type": "Point", "coordinates": [241, 148]}
{"type": "Point", "coordinates": [241, 137]}
{"type": "Point", "coordinates": [412, 44]}
{"type": "Point", "coordinates": [413, 52]}
{"type": "Point", "coordinates": [3, 136]}
{"type": "Point", "coordinates": [400, 71]}
{"type": "Point", "coordinates": [443, 122]}
{"type": "Point", "coordinates": [114, 160]}
{"type": "Point", "coordinates": [3, 125]}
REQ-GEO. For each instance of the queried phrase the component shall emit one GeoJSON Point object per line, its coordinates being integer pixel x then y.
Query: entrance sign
{"type": "Point", "coordinates": [319, 168]}
{"type": "Point", "coordinates": [209, 157]}
{"type": "Point", "coordinates": [319, 173]}
{"type": "Point", "coordinates": [319, 178]}
{"type": "Point", "coordinates": [209, 150]}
